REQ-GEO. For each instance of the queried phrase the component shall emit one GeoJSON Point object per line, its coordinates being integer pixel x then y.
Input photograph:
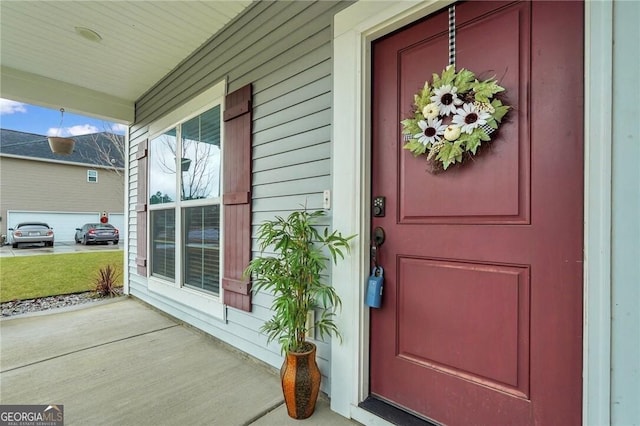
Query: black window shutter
{"type": "Point", "coordinates": [141, 208]}
{"type": "Point", "coordinates": [236, 198]}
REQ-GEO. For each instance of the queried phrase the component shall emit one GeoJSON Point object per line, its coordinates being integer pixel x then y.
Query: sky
{"type": "Point", "coordinates": [45, 121]}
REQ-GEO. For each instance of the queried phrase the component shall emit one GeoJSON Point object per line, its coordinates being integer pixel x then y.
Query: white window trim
{"type": "Point", "coordinates": [202, 301]}
{"type": "Point", "coordinates": [89, 176]}
{"type": "Point", "coordinates": [354, 29]}
{"type": "Point", "coordinates": [127, 216]}
{"type": "Point", "coordinates": [194, 107]}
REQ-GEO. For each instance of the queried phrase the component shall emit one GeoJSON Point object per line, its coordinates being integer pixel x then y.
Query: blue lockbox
{"type": "Point", "coordinates": [373, 296]}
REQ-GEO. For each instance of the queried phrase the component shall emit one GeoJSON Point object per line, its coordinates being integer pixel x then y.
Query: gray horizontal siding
{"type": "Point", "coordinates": [296, 105]}
{"type": "Point", "coordinates": [308, 84]}
{"type": "Point", "coordinates": [294, 142]}
{"type": "Point", "coordinates": [304, 155]}
{"type": "Point", "coordinates": [284, 50]}
{"type": "Point", "coordinates": [296, 126]}
{"type": "Point", "coordinates": [296, 187]}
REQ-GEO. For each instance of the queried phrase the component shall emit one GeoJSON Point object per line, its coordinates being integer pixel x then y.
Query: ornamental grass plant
{"type": "Point", "coordinates": [106, 282]}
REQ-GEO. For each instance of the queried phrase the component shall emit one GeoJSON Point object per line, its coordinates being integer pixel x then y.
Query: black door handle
{"type": "Point", "coordinates": [378, 236]}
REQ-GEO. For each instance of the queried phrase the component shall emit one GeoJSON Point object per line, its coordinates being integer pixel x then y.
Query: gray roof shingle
{"type": "Point", "coordinates": [87, 149]}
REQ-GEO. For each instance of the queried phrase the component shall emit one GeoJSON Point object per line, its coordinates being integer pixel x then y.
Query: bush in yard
{"type": "Point", "coordinates": [106, 281]}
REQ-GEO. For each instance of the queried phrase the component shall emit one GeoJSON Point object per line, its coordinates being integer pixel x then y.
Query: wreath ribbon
{"type": "Point", "coordinates": [452, 36]}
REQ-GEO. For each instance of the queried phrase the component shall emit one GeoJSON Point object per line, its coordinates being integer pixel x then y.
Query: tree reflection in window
{"type": "Point", "coordinates": [200, 156]}
{"type": "Point", "coordinates": [162, 168]}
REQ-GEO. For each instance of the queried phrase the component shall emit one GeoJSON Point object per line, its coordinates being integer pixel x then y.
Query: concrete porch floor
{"type": "Point", "coordinates": [123, 363]}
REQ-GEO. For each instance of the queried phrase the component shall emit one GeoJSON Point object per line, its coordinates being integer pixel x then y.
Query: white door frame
{"type": "Point", "coordinates": [354, 29]}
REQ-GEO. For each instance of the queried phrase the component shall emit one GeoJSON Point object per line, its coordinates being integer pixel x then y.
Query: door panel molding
{"type": "Point", "coordinates": [460, 194]}
{"type": "Point", "coordinates": [484, 351]}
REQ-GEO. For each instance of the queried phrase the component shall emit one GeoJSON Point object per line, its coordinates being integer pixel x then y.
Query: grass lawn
{"type": "Point", "coordinates": [28, 277]}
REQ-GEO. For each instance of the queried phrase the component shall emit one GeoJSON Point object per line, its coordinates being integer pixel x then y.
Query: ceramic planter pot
{"type": "Point", "coordinates": [300, 377]}
{"type": "Point", "coordinates": [60, 145]}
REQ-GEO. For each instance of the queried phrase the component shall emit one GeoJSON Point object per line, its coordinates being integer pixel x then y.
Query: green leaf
{"type": "Point", "coordinates": [482, 135]}
{"type": "Point", "coordinates": [410, 126]}
{"type": "Point", "coordinates": [448, 75]}
{"type": "Point", "coordinates": [472, 141]}
{"type": "Point", "coordinates": [422, 99]}
{"type": "Point", "coordinates": [500, 112]}
{"type": "Point", "coordinates": [496, 103]}
{"type": "Point", "coordinates": [485, 90]}
{"type": "Point", "coordinates": [472, 145]}
{"type": "Point", "coordinates": [415, 147]}
{"type": "Point", "coordinates": [450, 153]}
{"type": "Point", "coordinates": [436, 80]}
{"type": "Point", "coordinates": [463, 80]}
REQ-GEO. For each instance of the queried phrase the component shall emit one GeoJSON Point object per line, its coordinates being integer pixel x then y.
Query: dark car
{"type": "Point", "coordinates": [97, 233]}
{"type": "Point", "coordinates": [31, 233]}
{"type": "Point", "coordinates": [203, 236]}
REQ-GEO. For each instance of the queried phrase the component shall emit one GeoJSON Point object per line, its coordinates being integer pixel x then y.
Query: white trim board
{"type": "Point", "coordinates": [354, 29]}
{"type": "Point", "coordinates": [596, 388]}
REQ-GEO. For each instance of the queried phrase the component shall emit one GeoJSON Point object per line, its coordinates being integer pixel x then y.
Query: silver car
{"type": "Point", "coordinates": [31, 233]}
{"type": "Point", "coordinates": [97, 233]}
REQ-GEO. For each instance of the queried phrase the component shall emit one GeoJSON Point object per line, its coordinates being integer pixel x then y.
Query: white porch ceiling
{"type": "Point", "coordinates": [44, 61]}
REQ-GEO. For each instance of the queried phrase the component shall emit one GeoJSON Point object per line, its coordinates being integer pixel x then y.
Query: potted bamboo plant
{"type": "Point", "coordinates": [293, 274]}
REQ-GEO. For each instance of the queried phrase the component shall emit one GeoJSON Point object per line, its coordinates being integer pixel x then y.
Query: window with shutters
{"type": "Point", "coordinates": [184, 196]}
{"type": "Point", "coordinates": [193, 227]}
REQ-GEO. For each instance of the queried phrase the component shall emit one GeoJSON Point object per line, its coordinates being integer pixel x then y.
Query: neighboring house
{"type": "Point", "coordinates": [65, 191]}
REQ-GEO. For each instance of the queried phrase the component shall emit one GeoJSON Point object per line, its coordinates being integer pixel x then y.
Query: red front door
{"type": "Point", "coordinates": [481, 322]}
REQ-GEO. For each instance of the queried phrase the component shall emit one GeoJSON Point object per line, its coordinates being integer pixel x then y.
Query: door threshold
{"type": "Point", "coordinates": [392, 414]}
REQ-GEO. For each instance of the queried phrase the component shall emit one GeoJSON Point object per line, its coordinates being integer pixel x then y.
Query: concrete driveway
{"type": "Point", "coordinates": [123, 363]}
{"type": "Point", "coordinates": [63, 247]}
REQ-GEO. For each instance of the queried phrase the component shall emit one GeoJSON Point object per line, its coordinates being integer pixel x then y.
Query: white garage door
{"type": "Point", "coordinates": [64, 224]}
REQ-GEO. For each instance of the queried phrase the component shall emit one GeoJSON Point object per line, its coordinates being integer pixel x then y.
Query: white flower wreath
{"type": "Point", "coordinates": [454, 114]}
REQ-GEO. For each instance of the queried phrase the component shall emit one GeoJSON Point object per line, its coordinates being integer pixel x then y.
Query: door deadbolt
{"type": "Point", "coordinates": [378, 206]}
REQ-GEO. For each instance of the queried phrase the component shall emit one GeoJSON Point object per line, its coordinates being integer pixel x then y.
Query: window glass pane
{"type": "Point", "coordinates": [162, 168]}
{"type": "Point", "coordinates": [201, 251]}
{"type": "Point", "coordinates": [163, 243]}
{"type": "Point", "coordinates": [200, 164]}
